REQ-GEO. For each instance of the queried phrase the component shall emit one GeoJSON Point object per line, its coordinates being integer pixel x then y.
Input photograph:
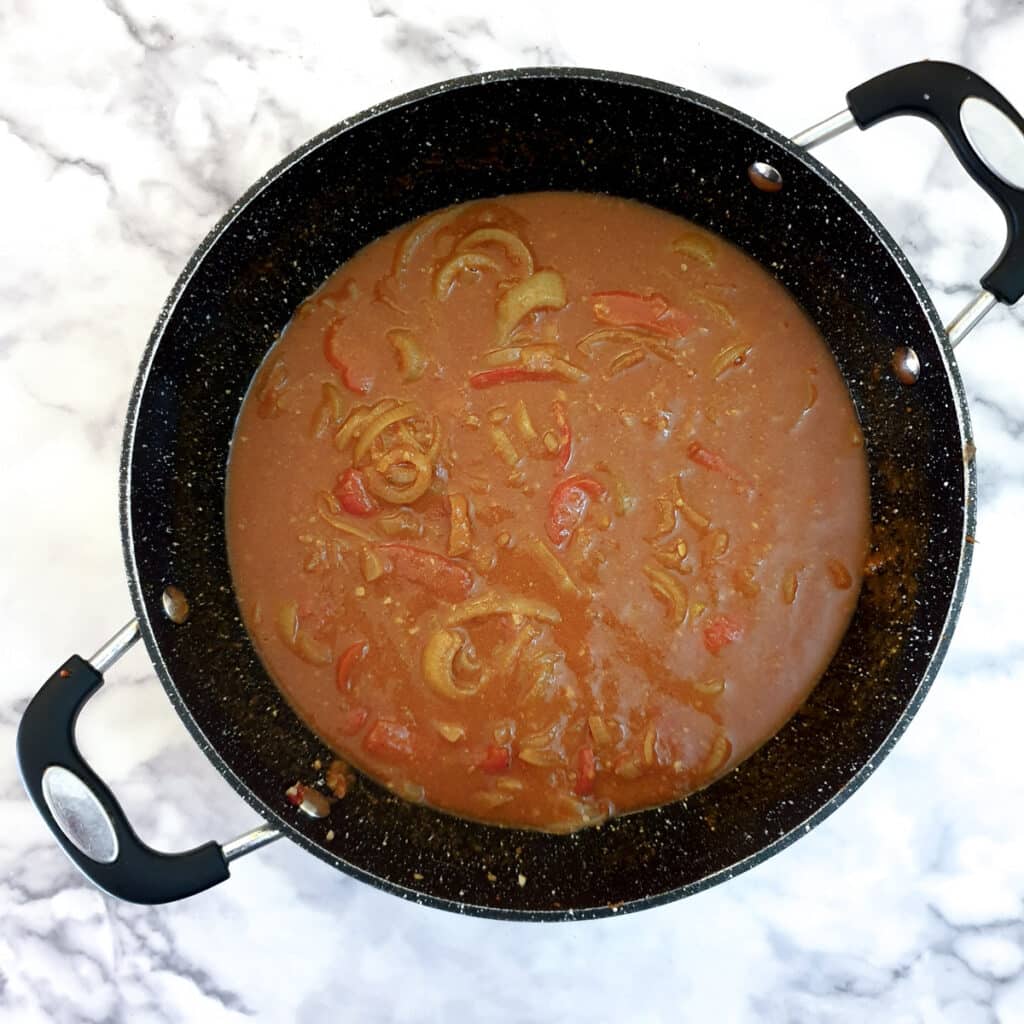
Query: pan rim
{"type": "Point", "coordinates": [208, 245]}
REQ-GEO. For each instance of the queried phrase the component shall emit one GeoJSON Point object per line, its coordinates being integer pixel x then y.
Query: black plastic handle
{"type": "Point", "coordinates": [936, 90]}
{"type": "Point", "coordinates": [132, 871]}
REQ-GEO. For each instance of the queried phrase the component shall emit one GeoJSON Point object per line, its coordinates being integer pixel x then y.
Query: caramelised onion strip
{"type": "Point", "coordinates": [714, 308]}
{"type": "Point", "coordinates": [665, 587]}
{"type": "Point", "coordinates": [733, 355]}
{"type": "Point", "coordinates": [611, 336]}
{"type": "Point", "coordinates": [307, 647]}
{"type": "Point", "coordinates": [387, 481]}
{"type": "Point", "coordinates": [471, 261]}
{"type": "Point", "coordinates": [514, 353]}
{"type": "Point", "coordinates": [459, 532]}
{"type": "Point", "coordinates": [625, 360]}
{"type": "Point", "coordinates": [657, 345]}
{"type": "Point", "coordinates": [552, 566]}
{"type": "Point", "coordinates": [357, 418]}
{"type": "Point", "coordinates": [438, 665]}
{"type": "Point", "coordinates": [412, 360]}
{"type": "Point", "coordinates": [543, 290]}
{"type": "Point", "coordinates": [418, 234]}
{"type": "Point", "coordinates": [512, 244]}
{"type": "Point", "coordinates": [521, 418]}
{"type": "Point", "coordinates": [378, 424]}
{"type": "Point", "coordinates": [500, 604]}
{"type": "Point", "coordinates": [696, 248]}
{"type": "Point", "coordinates": [328, 509]}
{"type": "Point", "coordinates": [330, 410]}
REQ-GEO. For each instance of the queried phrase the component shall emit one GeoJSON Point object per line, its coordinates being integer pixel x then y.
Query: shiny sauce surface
{"type": "Point", "coordinates": [547, 508]}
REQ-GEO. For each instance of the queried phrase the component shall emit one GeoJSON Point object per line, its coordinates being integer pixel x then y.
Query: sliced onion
{"type": "Point", "coordinates": [717, 756]}
{"type": "Point", "coordinates": [472, 261]}
{"type": "Point", "coordinates": [551, 564]}
{"type": "Point", "coordinates": [539, 757]}
{"type": "Point", "coordinates": [521, 418]}
{"type": "Point", "coordinates": [418, 234]}
{"type": "Point", "coordinates": [372, 429]}
{"type": "Point", "coordinates": [459, 532]}
{"type": "Point", "coordinates": [438, 665]}
{"type": "Point", "coordinates": [710, 687]}
{"type": "Point", "coordinates": [382, 486]}
{"type": "Point", "coordinates": [351, 426]}
{"type": "Point", "coordinates": [543, 290]}
{"type": "Point", "coordinates": [450, 731]}
{"type": "Point", "coordinates": [412, 360]}
{"type": "Point", "coordinates": [733, 355]}
{"type": "Point", "coordinates": [665, 587]}
{"type": "Point", "coordinates": [288, 622]}
{"type": "Point", "coordinates": [625, 361]}
{"type": "Point", "coordinates": [504, 447]}
{"type": "Point", "coordinates": [696, 248]}
{"type": "Point", "coordinates": [512, 244]}
{"type": "Point", "coordinates": [721, 313]}
{"type": "Point", "coordinates": [599, 731]}
{"type": "Point", "coordinates": [690, 514]}
{"type": "Point", "coordinates": [499, 604]}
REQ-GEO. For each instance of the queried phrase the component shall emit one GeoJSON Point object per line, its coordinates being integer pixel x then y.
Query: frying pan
{"type": "Point", "coordinates": [482, 136]}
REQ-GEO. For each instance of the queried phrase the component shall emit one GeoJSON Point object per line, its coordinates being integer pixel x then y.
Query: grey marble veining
{"type": "Point", "coordinates": [123, 137]}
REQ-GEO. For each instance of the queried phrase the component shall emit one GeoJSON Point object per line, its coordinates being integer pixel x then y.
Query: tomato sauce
{"type": "Point", "coordinates": [547, 508]}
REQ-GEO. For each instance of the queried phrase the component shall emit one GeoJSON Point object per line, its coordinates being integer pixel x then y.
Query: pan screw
{"type": "Point", "coordinates": [764, 176]}
{"type": "Point", "coordinates": [175, 605]}
{"type": "Point", "coordinates": [906, 365]}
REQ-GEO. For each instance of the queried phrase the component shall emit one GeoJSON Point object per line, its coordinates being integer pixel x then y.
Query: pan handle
{"type": "Point", "coordinates": [968, 111]}
{"type": "Point", "coordinates": [82, 812]}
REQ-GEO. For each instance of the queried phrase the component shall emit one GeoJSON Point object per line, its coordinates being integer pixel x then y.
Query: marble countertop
{"type": "Point", "coordinates": [126, 129]}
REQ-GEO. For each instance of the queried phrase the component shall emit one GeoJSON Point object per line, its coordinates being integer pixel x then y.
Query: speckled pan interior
{"type": "Point", "coordinates": [485, 136]}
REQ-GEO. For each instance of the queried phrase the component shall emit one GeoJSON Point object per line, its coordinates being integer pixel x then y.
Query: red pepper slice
{"type": "Point", "coordinates": [569, 502]}
{"type": "Point", "coordinates": [353, 720]}
{"type": "Point", "coordinates": [388, 739]}
{"type": "Point", "coordinates": [437, 573]}
{"type": "Point", "coordinates": [720, 632]}
{"type": "Point", "coordinates": [351, 491]}
{"type": "Point", "coordinates": [716, 463]}
{"type": "Point", "coordinates": [347, 661]}
{"type": "Point", "coordinates": [564, 452]}
{"type": "Point", "coordinates": [496, 760]}
{"type": "Point", "coordinates": [651, 312]}
{"type": "Point", "coordinates": [359, 383]}
{"type": "Point", "coordinates": [508, 375]}
{"type": "Point", "coordinates": [586, 772]}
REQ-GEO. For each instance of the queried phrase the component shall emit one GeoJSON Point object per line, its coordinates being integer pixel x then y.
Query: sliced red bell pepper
{"type": "Point", "coordinates": [353, 720]}
{"type": "Point", "coordinates": [508, 375]}
{"type": "Point", "coordinates": [351, 491]}
{"type": "Point", "coordinates": [651, 312]}
{"type": "Point", "coordinates": [720, 632]}
{"type": "Point", "coordinates": [359, 383]}
{"type": "Point", "coordinates": [388, 739]}
{"type": "Point", "coordinates": [564, 452]}
{"type": "Point", "coordinates": [347, 661]}
{"type": "Point", "coordinates": [569, 502]}
{"type": "Point", "coordinates": [437, 573]}
{"type": "Point", "coordinates": [496, 760]}
{"type": "Point", "coordinates": [586, 772]}
{"type": "Point", "coordinates": [711, 460]}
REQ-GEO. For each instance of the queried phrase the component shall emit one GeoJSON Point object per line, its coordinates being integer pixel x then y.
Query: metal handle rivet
{"type": "Point", "coordinates": [175, 605]}
{"type": "Point", "coordinates": [764, 176]}
{"type": "Point", "coordinates": [906, 365]}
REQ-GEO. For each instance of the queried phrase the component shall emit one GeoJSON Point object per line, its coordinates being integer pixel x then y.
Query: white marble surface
{"type": "Point", "coordinates": [126, 128]}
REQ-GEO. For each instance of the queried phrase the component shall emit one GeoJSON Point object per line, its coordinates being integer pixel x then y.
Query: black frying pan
{"type": "Point", "coordinates": [485, 136]}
